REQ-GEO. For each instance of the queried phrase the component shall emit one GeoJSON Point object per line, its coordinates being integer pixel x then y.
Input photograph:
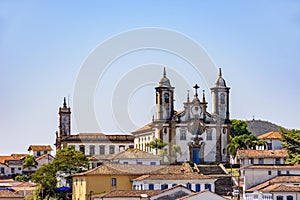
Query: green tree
{"type": "Point", "coordinates": [157, 144]}
{"type": "Point", "coordinates": [66, 162]}
{"type": "Point", "coordinates": [30, 162]}
{"type": "Point", "coordinates": [238, 127]}
{"type": "Point", "coordinates": [291, 141]}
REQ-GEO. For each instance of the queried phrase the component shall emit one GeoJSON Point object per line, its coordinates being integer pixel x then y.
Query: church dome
{"type": "Point", "coordinates": [220, 81]}
{"type": "Point", "coordinates": [164, 81]}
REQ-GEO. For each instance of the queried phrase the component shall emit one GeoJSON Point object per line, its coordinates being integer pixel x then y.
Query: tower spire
{"type": "Point", "coordinates": [65, 103]}
{"type": "Point", "coordinates": [203, 96]}
{"type": "Point", "coordinates": [220, 72]}
{"type": "Point", "coordinates": [188, 96]}
{"type": "Point", "coordinates": [164, 73]}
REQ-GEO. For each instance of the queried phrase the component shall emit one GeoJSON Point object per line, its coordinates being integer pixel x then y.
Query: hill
{"type": "Point", "coordinates": [259, 127]}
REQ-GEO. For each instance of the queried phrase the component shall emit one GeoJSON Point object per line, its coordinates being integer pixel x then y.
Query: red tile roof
{"type": "Point", "coordinates": [9, 194]}
{"type": "Point", "coordinates": [186, 176]}
{"type": "Point", "coordinates": [40, 148]}
{"type": "Point", "coordinates": [146, 128]}
{"type": "Point", "coordinates": [271, 135]}
{"type": "Point", "coordinates": [250, 153]}
{"type": "Point", "coordinates": [128, 193]}
{"type": "Point", "coordinates": [132, 153]}
{"type": "Point", "coordinates": [201, 192]}
{"type": "Point", "coordinates": [282, 188]}
{"type": "Point", "coordinates": [295, 166]}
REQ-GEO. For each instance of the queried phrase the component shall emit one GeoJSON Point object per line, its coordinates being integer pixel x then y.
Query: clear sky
{"type": "Point", "coordinates": [43, 45]}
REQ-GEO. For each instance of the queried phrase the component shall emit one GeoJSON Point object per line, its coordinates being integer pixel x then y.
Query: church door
{"type": "Point", "coordinates": [196, 155]}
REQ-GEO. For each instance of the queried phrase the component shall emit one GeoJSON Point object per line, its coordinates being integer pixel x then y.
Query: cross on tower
{"type": "Point", "coordinates": [196, 88]}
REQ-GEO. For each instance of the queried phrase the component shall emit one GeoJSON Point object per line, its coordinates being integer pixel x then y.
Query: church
{"type": "Point", "coordinates": [200, 136]}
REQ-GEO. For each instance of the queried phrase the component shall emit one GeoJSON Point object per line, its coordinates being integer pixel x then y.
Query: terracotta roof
{"type": "Point", "coordinates": [8, 194]}
{"type": "Point", "coordinates": [115, 168]}
{"type": "Point", "coordinates": [4, 158]}
{"type": "Point", "coordinates": [282, 188]}
{"type": "Point", "coordinates": [40, 148]}
{"type": "Point", "coordinates": [185, 176]}
{"type": "Point", "coordinates": [99, 137]}
{"type": "Point", "coordinates": [146, 128]}
{"type": "Point", "coordinates": [250, 153]}
{"type": "Point", "coordinates": [12, 157]}
{"type": "Point", "coordinates": [271, 135]}
{"type": "Point", "coordinates": [132, 153]}
{"type": "Point", "coordinates": [288, 179]}
{"type": "Point", "coordinates": [295, 166]}
{"type": "Point", "coordinates": [43, 156]}
{"type": "Point", "coordinates": [201, 192]}
{"type": "Point", "coordinates": [128, 193]}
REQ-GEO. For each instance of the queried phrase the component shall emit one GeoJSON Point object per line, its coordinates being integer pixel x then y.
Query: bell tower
{"type": "Point", "coordinates": [164, 99]}
{"type": "Point", "coordinates": [220, 99]}
{"type": "Point", "coordinates": [64, 127]}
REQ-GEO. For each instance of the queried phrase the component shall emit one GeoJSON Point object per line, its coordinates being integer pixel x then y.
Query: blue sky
{"type": "Point", "coordinates": [43, 45]}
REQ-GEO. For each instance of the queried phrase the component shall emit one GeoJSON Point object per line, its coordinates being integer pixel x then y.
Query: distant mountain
{"type": "Point", "coordinates": [259, 127]}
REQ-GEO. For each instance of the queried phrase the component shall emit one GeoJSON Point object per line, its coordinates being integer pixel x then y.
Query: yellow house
{"type": "Point", "coordinates": [113, 176]}
{"type": "Point", "coordinates": [108, 177]}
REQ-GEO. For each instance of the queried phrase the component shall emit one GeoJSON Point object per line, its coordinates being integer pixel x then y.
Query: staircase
{"type": "Point", "coordinates": [223, 183]}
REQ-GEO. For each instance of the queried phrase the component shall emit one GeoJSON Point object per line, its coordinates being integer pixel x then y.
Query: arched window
{"type": "Point", "coordinates": [222, 96]}
{"type": "Point", "coordinates": [209, 134]}
{"type": "Point", "coordinates": [198, 187]}
{"type": "Point", "coordinates": [167, 98]}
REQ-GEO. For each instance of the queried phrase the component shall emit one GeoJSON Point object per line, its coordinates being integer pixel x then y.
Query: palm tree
{"type": "Point", "coordinates": [156, 144]}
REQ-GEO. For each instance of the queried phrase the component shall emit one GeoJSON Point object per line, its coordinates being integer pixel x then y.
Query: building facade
{"type": "Point", "coordinates": [91, 144]}
{"type": "Point", "coordinates": [202, 136]}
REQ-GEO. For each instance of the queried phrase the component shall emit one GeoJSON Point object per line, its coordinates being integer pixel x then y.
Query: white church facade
{"type": "Point", "coordinates": [201, 135]}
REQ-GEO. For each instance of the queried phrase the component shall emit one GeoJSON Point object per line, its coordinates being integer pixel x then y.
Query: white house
{"type": "Point", "coordinates": [278, 188]}
{"type": "Point", "coordinates": [39, 150]}
{"type": "Point", "coordinates": [204, 195]}
{"type": "Point", "coordinates": [273, 140]}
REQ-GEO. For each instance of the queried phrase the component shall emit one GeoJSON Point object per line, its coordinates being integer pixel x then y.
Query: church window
{"type": "Point", "coordinates": [224, 151]}
{"type": "Point", "coordinates": [182, 134]}
{"type": "Point", "coordinates": [111, 149]}
{"type": "Point", "coordinates": [166, 98]}
{"type": "Point", "coordinates": [208, 134]}
{"type": "Point", "coordinates": [92, 150]}
{"type": "Point", "coordinates": [102, 149]}
{"type": "Point", "coordinates": [222, 96]}
{"type": "Point", "coordinates": [161, 136]}
{"type": "Point", "coordinates": [224, 130]}
{"type": "Point", "coordinates": [165, 130]}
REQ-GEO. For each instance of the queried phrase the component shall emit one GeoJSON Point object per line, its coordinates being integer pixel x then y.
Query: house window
{"type": "Point", "coordinates": [81, 181]}
{"type": "Point", "coordinates": [277, 161]}
{"type": "Point", "coordinates": [111, 149]}
{"type": "Point", "coordinates": [12, 170]}
{"type": "Point", "coordinates": [198, 187]}
{"type": "Point", "coordinates": [92, 150]}
{"type": "Point", "coordinates": [139, 163]}
{"type": "Point", "coordinates": [209, 134]}
{"type": "Point", "coordinates": [45, 152]}
{"type": "Point", "coordinates": [125, 162]}
{"type": "Point", "coordinates": [164, 186]}
{"type": "Point", "coordinates": [250, 161]}
{"type": "Point", "coordinates": [114, 182]}
{"type": "Point", "coordinates": [174, 184]}
{"type": "Point", "coordinates": [269, 172]}
{"type": "Point", "coordinates": [19, 168]}
{"type": "Point", "coordinates": [279, 197]}
{"type": "Point", "coordinates": [102, 150]}
{"type": "Point", "coordinates": [38, 153]}
{"type": "Point", "coordinates": [2, 170]}
{"type": "Point", "coordinates": [287, 172]}
{"type": "Point", "coordinates": [261, 161]}
{"type": "Point", "coordinates": [189, 186]}
{"type": "Point", "coordinates": [290, 197]}
{"type": "Point", "coordinates": [279, 173]}
{"type": "Point", "coordinates": [82, 149]}
{"type": "Point", "coordinates": [76, 181]}
{"type": "Point", "coordinates": [269, 145]}
{"type": "Point", "coordinates": [152, 163]}
{"type": "Point", "coordinates": [151, 186]}
{"type": "Point", "coordinates": [207, 186]}
{"type": "Point", "coordinates": [182, 134]}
